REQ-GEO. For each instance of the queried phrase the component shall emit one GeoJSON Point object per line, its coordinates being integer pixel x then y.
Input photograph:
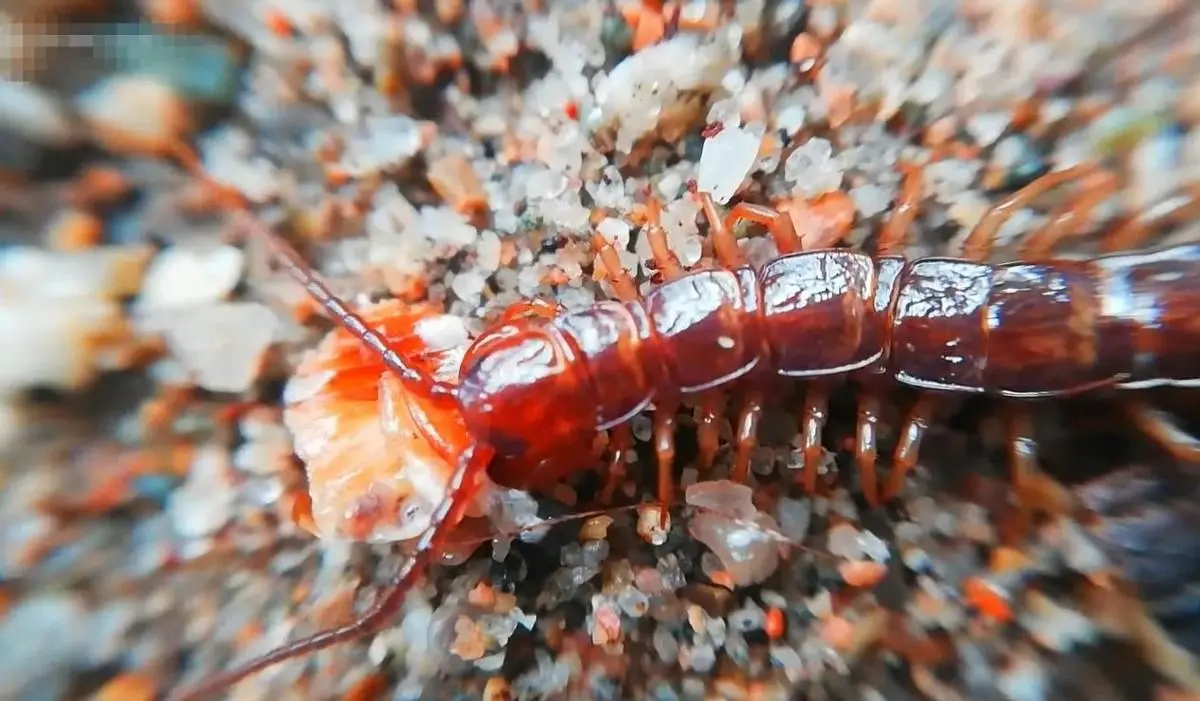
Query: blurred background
{"type": "Point", "coordinates": [192, 461]}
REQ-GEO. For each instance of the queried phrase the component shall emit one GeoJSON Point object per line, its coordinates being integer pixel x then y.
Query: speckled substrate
{"type": "Point", "coordinates": [462, 157]}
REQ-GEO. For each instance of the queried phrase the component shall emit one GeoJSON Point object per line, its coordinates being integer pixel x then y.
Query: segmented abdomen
{"type": "Point", "coordinates": [1045, 329]}
{"type": "Point", "coordinates": [1016, 329]}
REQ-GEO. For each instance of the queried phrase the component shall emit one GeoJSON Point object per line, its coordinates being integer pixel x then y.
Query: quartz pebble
{"type": "Point", "coordinates": [136, 114]}
{"type": "Point", "coordinates": [220, 344]}
{"type": "Point", "coordinates": [734, 530]}
{"type": "Point", "coordinates": [725, 161]}
{"type": "Point", "coordinates": [190, 274]}
{"type": "Point", "coordinates": [43, 637]}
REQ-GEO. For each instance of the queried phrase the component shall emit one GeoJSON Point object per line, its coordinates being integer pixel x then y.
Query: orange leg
{"type": "Point", "coordinates": [526, 308]}
{"type": "Point", "coordinates": [1070, 219]}
{"type": "Point", "coordinates": [812, 426]}
{"type": "Point", "coordinates": [1137, 230]}
{"type": "Point", "coordinates": [778, 224]}
{"type": "Point", "coordinates": [665, 408]}
{"type": "Point", "coordinates": [708, 428]}
{"type": "Point", "coordinates": [1164, 430]}
{"type": "Point", "coordinates": [911, 433]}
{"type": "Point", "coordinates": [979, 243]}
{"type": "Point", "coordinates": [622, 283]}
{"type": "Point", "coordinates": [668, 264]}
{"type": "Point", "coordinates": [620, 443]}
{"type": "Point", "coordinates": [897, 232]}
{"type": "Point", "coordinates": [620, 437]}
{"type": "Point", "coordinates": [664, 451]}
{"type": "Point", "coordinates": [1022, 457]}
{"type": "Point", "coordinates": [724, 242]}
{"type": "Point", "coordinates": [725, 245]}
{"type": "Point", "coordinates": [747, 436]}
{"type": "Point", "coordinates": [864, 447]}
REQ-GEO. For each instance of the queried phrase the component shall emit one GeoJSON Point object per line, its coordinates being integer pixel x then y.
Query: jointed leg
{"type": "Point", "coordinates": [896, 234]}
{"type": "Point", "coordinates": [1164, 430]}
{"type": "Point", "coordinates": [905, 458]}
{"type": "Point", "coordinates": [1068, 221]}
{"type": "Point", "coordinates": [619, 444]}
{"type": "Point", "coordinates": [665, 407]}
{"type": "Point", "coordinates": [1022, 456]}
{"type": "Point", "coordinates": [747, 436]}
{"type": "Point", "coordinates": [779, 224]}
{"type": "Point", "coordinates": [978, 245]}
{"type": "Point", "coordinates": [664, 450]}
{"type": "Point", "coordinates": [898, 230]}
{"type": "Point", "coordinates": [724, 242]}
{"type": "Point", "coordinates": [864, 446]}
{"type": "Point", "coordinates": [622, 283]}
{"type": "Point", "coordinates": [620, 437]}
{"type": "Point", "coordinates": [729, 255]}
{"type": "Point", "coordinates": [708, 427]}
{"type": "Point", "coordinates": [668, 264]}
{"type": "Point", "coordinates": [812, 426]}
{"type": "Point", "coordinates": [1134, 233]}
{"type": "Point", "coordinates": [530, 308]}
{"type": "Point", "coordinates": [459, 492]}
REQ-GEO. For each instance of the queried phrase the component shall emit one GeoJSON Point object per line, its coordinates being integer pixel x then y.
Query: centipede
{"type": "Point", "coordinates": [534, 390]}
{"type": "Point", "coordinates": [529, 396]}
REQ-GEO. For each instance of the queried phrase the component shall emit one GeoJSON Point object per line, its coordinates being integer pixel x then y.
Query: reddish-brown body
{"type": "Point", "coordinates": [534, 391]}
{"type": "Point", "coordinates": [534, 386]}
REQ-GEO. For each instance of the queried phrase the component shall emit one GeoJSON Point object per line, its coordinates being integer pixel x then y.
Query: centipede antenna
{"type": "Point", "coordinates": [459, 492]}
{"type": "Point", "coordinates": [303, 273]}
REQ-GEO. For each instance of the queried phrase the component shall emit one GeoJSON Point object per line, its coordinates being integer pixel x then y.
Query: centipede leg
{"type": "Point", "coordinates": [1068, 221]}
{"type": "Point", "coordinates": [978, 244]}
{"type": "Point", "coordinates": [666, 260]}
{"type": "Point", "coordinates": [620, 443]}
{"type": "Point", "coordinates": [864, 446]}
{"type": "Point", "coordinates": [905, 457]}
{"type": "Point", "coordinates": [620, 437]}
{"type": "Point", "coordinates": [778, 224]}
{"type": "Point", "coordinates": [459, 492]}
{"type": "Point", "coordinates": [539, 308]}
{"type": "Point", "coordinates": [1163, 429]}
{"type": "Point", "coordinates": [664, 451]}
{"type": "Point", "coordinates": [816, 413]}
{"type": "Point", "coordinates": [708, 427]}
{"type": "Point", "coordinates": [730, 256]}
{"type": "Point", "coordinates": [1022, 456]}
{"type": "Point", "coordinates": [1134, 232]}
{"type": "Point", "coordinates": [898, 228]}
{"type": "Point", "coordinates": [724, 242]}
{"type": "Point", "coordinates": [622, 283]}
{"type": "Point", "coordinates": [747, 436]}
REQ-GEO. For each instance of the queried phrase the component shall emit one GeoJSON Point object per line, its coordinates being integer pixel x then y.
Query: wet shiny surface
{"type": "Point", "coordinates": [625, 370]}
{"type": "Point", "coordinates": [1042, 332]}
{"type": "Point", "coordinates": [1153, 298]}
{"type": "Point", "coordinates": [525, 392]}
{"type": "Point", "coordinates": [938, 333]}
{"type": "Point", "coordinates": [819, 309]}
{"type": "Point", "coordinates": [704, 332]}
